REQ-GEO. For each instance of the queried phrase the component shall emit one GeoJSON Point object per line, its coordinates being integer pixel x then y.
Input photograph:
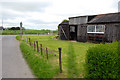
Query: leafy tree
{"type": "Point", "coordinates": [1, 27]}
{"type": "Point", "coordinates": [16, 28]}
{"type": "Point", "coordinates": [65, 20]}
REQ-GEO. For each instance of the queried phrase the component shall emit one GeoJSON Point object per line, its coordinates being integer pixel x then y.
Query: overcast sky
{"type": "Point", "coordinates": [47, 14]}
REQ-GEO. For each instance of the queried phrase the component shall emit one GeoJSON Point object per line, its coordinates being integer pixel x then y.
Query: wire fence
{"type": "Point", "coordinates": [39, 48]}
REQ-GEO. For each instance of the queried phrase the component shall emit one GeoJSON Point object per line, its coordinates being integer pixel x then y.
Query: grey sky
{"type": "Point", "coordinates": [47, 14]}
{"type": "Point", "coordinates": [26, 6]}
{"type": "Point", "coordinates": [119, 7]}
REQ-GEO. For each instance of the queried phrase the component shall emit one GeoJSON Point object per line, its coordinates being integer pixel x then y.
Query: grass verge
{"type": "Point", "coordinates": [73, 57]}
{"type": "Point", "coordinates": [39, 65]}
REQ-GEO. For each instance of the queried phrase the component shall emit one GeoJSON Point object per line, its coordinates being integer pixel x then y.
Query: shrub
{"type": "Point", "coordinates": [102, 61]}
{"type": "Point", "coordinates": [18, 38]}
{"type": "Point", "coordinates": [55, 37]}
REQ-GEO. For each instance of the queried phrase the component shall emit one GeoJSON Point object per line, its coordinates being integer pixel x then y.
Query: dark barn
{"type": "Point", "coordinates": [106, 27]}
{"type": "Point", "coordinates": [103, 27]}
{"type": "Point", "coordinates": [63, 30]}
{"type": "Point", "coordinates": [80, 25]}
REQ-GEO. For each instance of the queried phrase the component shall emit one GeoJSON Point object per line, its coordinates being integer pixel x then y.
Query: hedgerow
{"type": "Point", "coordinates": [102, 61]}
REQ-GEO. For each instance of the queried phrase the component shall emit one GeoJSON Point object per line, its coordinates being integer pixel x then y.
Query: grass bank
{"type": "Point", "coordinates": [73, 57]}
{"type": "Point", "coordinates": [39, 65]}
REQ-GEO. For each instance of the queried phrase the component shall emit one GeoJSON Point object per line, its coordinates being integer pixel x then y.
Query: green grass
{"type": "Point", "coordinates": [39, 65]}
{"type": "Point", "coordinates": [73, 57]}
{"type": "Point", "coordinates": [16, 32]}
{"type": "Point", "coordinates": [71, 61]}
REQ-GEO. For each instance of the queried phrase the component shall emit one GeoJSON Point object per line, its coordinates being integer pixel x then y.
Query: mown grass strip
{"type": "Point", "coordinates": [72, 66]}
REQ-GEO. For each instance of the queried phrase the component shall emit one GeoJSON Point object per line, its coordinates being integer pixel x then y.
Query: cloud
{"type": "Point", "coordinates": [38, 21]}
{"type": "Point", "coordinates": [40, 14]}
{"type": "Point", "coordinates": [26, 6]}
{"type": "Point", "coordinates": [12, 10]}
{"type": "Point", "coordinates": [10, 14]}
{"type": "Point", "coordinates": [41, 26]}
{"type": "Point", "coordinates": [83, 7]}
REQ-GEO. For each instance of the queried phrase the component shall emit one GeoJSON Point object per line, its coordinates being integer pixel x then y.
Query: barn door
{"type": "Point", "coordinates": [73, 32]}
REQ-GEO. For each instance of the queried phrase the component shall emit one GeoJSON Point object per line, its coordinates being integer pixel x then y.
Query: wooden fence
{"type": "Point", "coordinates": [40, 49]}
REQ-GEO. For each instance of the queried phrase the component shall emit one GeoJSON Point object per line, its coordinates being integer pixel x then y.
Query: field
{"type": "Point", "coordinates": [27, 31]}
{"type": "Point", "coordinates": [73, 57]}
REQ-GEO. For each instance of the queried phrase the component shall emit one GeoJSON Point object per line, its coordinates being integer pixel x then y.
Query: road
{"type": "Point", "coordinates": [13, 63]}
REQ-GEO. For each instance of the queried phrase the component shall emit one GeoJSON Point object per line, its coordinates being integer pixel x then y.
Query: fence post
{"type": "Point", "coordinates": [29, 42]}
{"type": "Point", "coordinates": [34, 45]}
{"type": "Point", "coordinates": [47, 53]}
{"type": "Point", "coordinates": [60, 59]}
{"type": "Point", "coordinates": [41, 48]}
{"type": "Point", "coordinates": [37, 46]}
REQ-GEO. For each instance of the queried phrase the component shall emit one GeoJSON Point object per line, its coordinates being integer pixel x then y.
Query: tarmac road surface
{"type": "Point", "coordinates": [13, 63]}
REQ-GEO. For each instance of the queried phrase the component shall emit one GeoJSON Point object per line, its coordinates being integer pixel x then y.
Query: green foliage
{"type": "Point", "coordinates": [39, 64]}
{"type": "Point", "coordinates": [14, 28]}
{"type": "Point", "coordinates": [55, 37]}
{"type": "Point", "coordinates": [16, 32]}
{"type": "Point", "coordinates": [18, 38]}
{"type": "Point", "coordinates": [64, 20]}
{"type": "Point", "coordinates": [102, 61]}
{"type": "Point", "coordinates": [73, 55]}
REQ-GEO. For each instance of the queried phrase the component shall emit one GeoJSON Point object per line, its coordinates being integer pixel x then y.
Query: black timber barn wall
{"type": "Point", "coordinates": [118, 31]}
{"type": "Point", "coordinates": [82, 33]}
{"type": "Point", "coordinates": [112, 32]}
{"type": "Point", "coordinates": [65, 27]}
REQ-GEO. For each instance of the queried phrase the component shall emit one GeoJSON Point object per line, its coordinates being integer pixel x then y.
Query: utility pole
{"type": "Point", "coordinates": [21, 28]}
{"type": "Point", "coordinates": [2, 24]}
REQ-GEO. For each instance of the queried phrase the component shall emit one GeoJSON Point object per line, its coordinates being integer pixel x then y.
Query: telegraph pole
{"type": "Point", "coordinates": [2, 24]}
{"type": "Point", "coordinates": [21, 28]}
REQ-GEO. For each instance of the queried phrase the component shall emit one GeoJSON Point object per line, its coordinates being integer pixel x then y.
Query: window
{"type": "Point", "coordinates": [91, 28]}
{"type": "Point", "coordinates": [95, 29]}
{"type": "Point", "coordinates": [99, 28]}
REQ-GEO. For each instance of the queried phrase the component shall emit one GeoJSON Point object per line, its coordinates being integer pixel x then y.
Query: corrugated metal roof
{"type": "Point", "coordinates": [81, 16]}
{"type": "Point", "coordinates": [106, 18]}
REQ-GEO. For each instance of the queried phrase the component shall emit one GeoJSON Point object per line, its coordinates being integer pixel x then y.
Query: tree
{"type": "Point", "coordinates": [65, 20]}
{"type": "Point", "coordinates": [2, 28]}
{"type": "Point", "coordinates": [16, 28]}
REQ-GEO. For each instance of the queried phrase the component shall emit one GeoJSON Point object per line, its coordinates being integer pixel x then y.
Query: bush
{"type": "Point", "coordinates": [18, 38]}
{"type": "Point", "coordinates": [102, 61]}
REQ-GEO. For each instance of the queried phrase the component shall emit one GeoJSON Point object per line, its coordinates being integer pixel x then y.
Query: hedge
{"type": "Point", "coordinates": [102, 61]}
